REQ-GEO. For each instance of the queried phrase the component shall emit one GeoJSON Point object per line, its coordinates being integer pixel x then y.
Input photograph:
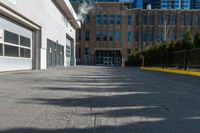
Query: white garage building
{"type": "Point", "coordinates": [37, 34]}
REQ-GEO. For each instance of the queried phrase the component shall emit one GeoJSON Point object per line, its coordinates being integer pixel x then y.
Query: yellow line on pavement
{"type": "Point", "coordinates": [183, 72]}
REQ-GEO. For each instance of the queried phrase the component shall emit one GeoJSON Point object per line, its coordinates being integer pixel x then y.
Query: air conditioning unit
{"type": "Point", "coordinates": [1, 36]}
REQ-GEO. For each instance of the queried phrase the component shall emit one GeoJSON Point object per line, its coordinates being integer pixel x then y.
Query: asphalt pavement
{"type": "Point", "coordinates": [86, 99]}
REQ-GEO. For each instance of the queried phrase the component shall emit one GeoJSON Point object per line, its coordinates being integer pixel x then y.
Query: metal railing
{"type": "Point", "coordinates": [184, 59]}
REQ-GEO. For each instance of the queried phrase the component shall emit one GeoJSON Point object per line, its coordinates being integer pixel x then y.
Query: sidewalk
{"type": "Point", "coordinates": [176, 71]}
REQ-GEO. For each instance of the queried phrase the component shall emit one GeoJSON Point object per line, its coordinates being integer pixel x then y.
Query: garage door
{"type": "Point", "coordinates": [15, 46]}
{"type": "Point", "coordinates": [55, 54]}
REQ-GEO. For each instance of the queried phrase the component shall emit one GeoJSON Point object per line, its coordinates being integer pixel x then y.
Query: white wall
{"type": "Point", "coordinates": [45, 14]}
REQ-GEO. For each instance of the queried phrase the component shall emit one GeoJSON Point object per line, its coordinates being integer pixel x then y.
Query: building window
{"type": "Point", "coordinates": [79, 53]}
{"type": "Point", "coordinates": [144, 36]}
{"type": "Point", "coordinates": [182, 20]}
{"type": "Point", "coordinates": [159, 20]}
{"type": "Point", "coordinates": [86, 51]}
{"type": "Point", "coordinates": [159, 37]}
{"type": "Point", "coordinates": [118, 19]}
{"type": "Point", "coordinates": [111, 36]}
{"type": "Point", "coordinates": [10, 37]}
{"type": "Point", "coordinates": [129, 20]}
{"type": "Point", "coordinates": [26, 53]}
{"type": "Point", "coordinates": [151, 20]}
{"type": "Point", "coordinates": [196, 20]}
{"type": "Point", "coordinates": [151, 36]}
{"type": "Point", "coordinates": [1, 49]}
{"type": "Point", "coordinates": [173, 20]}
{"type": "Point", "coordinates": [173, 35]}
{"type": "Point", "coordinates": [87, 36]}
{"type": "Point", "coordinates": [111, 19]}
{"type": "Point", "coordinates": [68, 51]}
{"type": "Point", "coordinates": [189, 20]}
{"type": "Point", "coordinates": [144, 18]}
{"type": "Point", "coordinates": [24, 41]}
{"type": "Point", "coordinates": [129, 51]}
{"type": "Point", "coordinates": [137, 20]}
{"type": "Point", "coordinates": [98, 19]}
{"type": "Point", "coordinates": [118, 36]}
{"type": "Point", "coordinates": [129, 37]}
{"type": "Point", "coordinates": [105, 19]}
{"type": "Point", "coordinates": [104, 36]}
{"type": "Point", "coordinates": [98, 36]}
{"type": "Point", "coordinates": [87, 19]}
{"type": "Point", "coordinates": [11, 51]}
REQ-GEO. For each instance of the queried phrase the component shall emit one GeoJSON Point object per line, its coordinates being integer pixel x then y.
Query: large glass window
{"type": "Point", "coordinates": [1, 49]}
{"type": "Point", "coordinates": [11, 51]}
{"type": "Point", "coordinates": [137, 20]}
{"type": "Point", "coordinates": [160, 20]}
{"type": "Point", "coordinates": [129, 20]}
{"type": "Point", "coordinates": [87, 36]}
{"type": "Point", "coordinates": [98, 36]}
{"type": "Point", "coordinates": [111, 19]}
{"type": "Point", "coordinates": [159, 37]}
{"type": "Point", "coordinates": [98, 19]}
{"type": "Point", "coordinates": [111, 36]}
{"type": "Point", "coordinates": [24, 41]}
{"type": "Point", "coordinates": [173, 20]}
{"type": "Point", "coordinates": [182, 20]}
{"type": "Point", "coordinates": [10, 37]}
{"type": "Point", "coordinates": [26, 53]}
{"type": "Point", "coordinates": [118, 19]}
{"type": "Point", "coordinates": [87, 18]}
{"type": "Point", "coordinates": [144, 36]}
{"type": "Point", "coordinates": [105, 19]}
{"type": "Point", "coordinates": [104, 36]}
{"type": "Point", "coordinates": [129, 37]}
{"type": "Point", "coordinates": [189, 20]}
{"type": "Point", "coordinates": [151, 36]}
{"type": "Point", "coordinates": [118, 36]}
{"type": "Point", "coordinates": [144, 19]}
{"type": "Point", "coordinates": [196, 20]}
{"type": "Point", "coordinates": [151, 20]}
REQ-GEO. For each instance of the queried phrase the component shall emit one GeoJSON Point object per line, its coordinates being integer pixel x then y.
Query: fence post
{"type": "Point", "coordinates": [186, 60]}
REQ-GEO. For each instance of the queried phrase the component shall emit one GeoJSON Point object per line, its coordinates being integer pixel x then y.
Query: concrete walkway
{"type": "Point", "coordinates": [98, 100]}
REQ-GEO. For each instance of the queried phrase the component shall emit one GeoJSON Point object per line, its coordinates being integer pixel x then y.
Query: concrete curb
{"type": "Point", "coordinates": [182, 72]}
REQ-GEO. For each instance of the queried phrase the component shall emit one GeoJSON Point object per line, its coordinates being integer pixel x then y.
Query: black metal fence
{"type": "Point", "coordinates": [181, 59]}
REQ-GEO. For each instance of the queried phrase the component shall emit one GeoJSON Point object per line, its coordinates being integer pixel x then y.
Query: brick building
{"type": "Point", "coordinates": [112, 31]}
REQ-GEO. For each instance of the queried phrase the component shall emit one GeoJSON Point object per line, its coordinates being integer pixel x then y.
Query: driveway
{"type": "Point", "coordinates": [88, 99]}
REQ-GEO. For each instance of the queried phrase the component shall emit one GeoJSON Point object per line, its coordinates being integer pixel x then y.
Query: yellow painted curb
{"type": "Point", "coordinates": [183, 72]}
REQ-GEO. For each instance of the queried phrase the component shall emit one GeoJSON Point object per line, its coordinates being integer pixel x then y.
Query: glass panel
{"type": "Point", "coordinates": [129, 20]}
{"type": "Point", "coordinates": [25, 53]}
{"type": "Point", "coordinates": [1, 49]}
{"type": "Point", "coordinates": [118, 19]}
{"type": "Point", "coordinates": [98, 19]}
{"type": "Point", "coordinates": [111, 19]}
{"type": "Point", "coordinates": [144, 18]}
{"type": "Point", "coordinates": [24, 41]}
{"type": "Point", "coordinates": [151, 20]}
{"type": "Point", "coordinates": [11, 51]}
{"type": "Point", "coordinates": [11, 37]}
{"type": "Point", "coordinates": [118, 36]}
{"type": "Point", "coordinates": [105, 19]}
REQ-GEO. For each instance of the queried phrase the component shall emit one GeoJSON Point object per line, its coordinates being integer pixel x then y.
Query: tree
{"type": "Point", "coordinates": [187, 40]}
{"type": "Point", "coordinates": [197, 40]}
{"type": "Point", "coordinates": [165, 30]}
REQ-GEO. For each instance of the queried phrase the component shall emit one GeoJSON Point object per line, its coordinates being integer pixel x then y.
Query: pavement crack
{"type": "Point", "coordinates": [34, 118]}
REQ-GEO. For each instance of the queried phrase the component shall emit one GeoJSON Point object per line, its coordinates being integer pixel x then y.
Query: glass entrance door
{"type": "Point", "coordinates": [108, 61]}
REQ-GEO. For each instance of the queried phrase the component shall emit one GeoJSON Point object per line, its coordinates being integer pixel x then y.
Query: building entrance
{"type": "Point", "coordinates": [108, 58]}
